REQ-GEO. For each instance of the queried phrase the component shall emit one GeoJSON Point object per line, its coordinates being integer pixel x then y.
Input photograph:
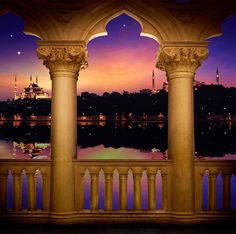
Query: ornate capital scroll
{"type": "Point", "coordinates": [69, 58]}
{"type": "Point", "coordinates": [181, 59]}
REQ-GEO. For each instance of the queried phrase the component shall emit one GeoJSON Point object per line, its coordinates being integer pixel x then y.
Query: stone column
{"type": "Point", "coordinates": [64, 60]}
{"type": "Point", "coordinates": [180, 63]}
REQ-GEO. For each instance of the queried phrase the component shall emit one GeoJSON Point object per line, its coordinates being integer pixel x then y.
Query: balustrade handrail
{"type": "Point", "coordinates": [136, 166]}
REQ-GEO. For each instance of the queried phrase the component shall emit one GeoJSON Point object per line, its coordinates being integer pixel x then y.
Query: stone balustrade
{"type": "Point", "coordinates": [115, 171]}
{"type": "Point", "coordinates": [12, 179]}
{"type": "Point", "coordinates": [124, 168]}
{"type": "Point", "coordinates": [212, 170]}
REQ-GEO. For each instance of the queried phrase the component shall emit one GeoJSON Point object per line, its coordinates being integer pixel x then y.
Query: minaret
{"type": "Point", "coordinates": [153, 82]}
{"type": "Point", "coordinates": [37, 80]}
{"type": "Point", "coordinates": [31, 80]}
{"type": "Point", "coordinates": [15, 89]}
{"type": "Point", "coordinates": [217, 77]}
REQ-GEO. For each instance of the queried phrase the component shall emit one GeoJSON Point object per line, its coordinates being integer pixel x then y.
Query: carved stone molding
{"type": "Point", "coordinates": [63, 16]}
{"type": "Point", "coordinates": [184, 16]}
{"type": "Point", "coordinates": [180, 59]}
{"type": "Point", "coordinates": [69, 58]}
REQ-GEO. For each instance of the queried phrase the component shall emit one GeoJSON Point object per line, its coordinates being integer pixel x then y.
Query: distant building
{"type": "Point", "coordinates": [147, 91]}
{"type": "Point", "coordinates": [217, 77]}
{"type": "Point", "coordinates": [165, 86]}
{"type": "Point", "coordinates": [33, 91]}
{"type": "Point", "coordinates": [195, 84]}
{"type": "Point", "coordinates": [153, 83]}
{"type": "Point", "coordinates": [198, 83]}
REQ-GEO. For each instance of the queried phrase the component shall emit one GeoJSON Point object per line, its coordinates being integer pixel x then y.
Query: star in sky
{"type": "Point", "coordinates": [121, 61]}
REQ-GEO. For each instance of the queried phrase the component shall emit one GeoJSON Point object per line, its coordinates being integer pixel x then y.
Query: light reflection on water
{"type": "Point", "coordinates": [135, 140]}
{"type": "Point", "coordinates": [117, 141]}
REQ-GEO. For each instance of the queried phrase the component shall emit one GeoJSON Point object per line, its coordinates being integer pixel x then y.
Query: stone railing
{"type": "Point", "coordinates": [113, 177]}
{"type": "Point", "coordinates": [19, 175]}
{"type": "Point", "coordinates": [134, 169]}
{"type": "Point", "coordinates": [213, 171]}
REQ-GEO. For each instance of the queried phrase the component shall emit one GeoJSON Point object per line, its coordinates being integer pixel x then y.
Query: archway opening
{"type": "Point", "coordinates": [121, 59]}
{"type": "Point", "coordinates": [22, 73]}
{"type": "Point", "coordinates": [215, 96]}
{"type": "Point", "coordinates": [122, 84]}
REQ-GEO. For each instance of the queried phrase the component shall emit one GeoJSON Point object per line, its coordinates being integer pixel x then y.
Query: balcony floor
{"type": "Point", "coordinates": [118, 229]}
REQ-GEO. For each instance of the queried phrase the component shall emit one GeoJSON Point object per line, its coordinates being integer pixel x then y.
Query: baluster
{"type": "Point", "coordinates": [17, 191]}
{"type": "Point", "coordinates": [151, 190]}
{"type": "Point", "coordinates": [226, 191]}
{"type": "Point", "coordinates": [123, 190]}
{"type": "Point", "coordinates": [81, 191]}
{"type": "Point", "coordinates": [212, 191]}
{"type": "Point", "coordinates": [165, 192]}
{"type": "Point", "coordinates": [94, 191]}
{"type": "Point", "coordinates": [3, 192]}
{"type": "Point", "coordinates": [31, 192]}
{"type": "Point", "coordinates": [45, 193]}
{"type": "Point", "coordinates": [198, 189]}
{"type": "Point", "coordinates": [137, 174]}
{"type": "Point", "coordinates": [108, 190]}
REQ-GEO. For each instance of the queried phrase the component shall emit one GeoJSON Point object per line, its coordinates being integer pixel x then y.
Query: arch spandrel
{"type": "Point", "coordinates": [155, 22]}
{"type": "Point", "coordinates": [50, 21]}
{"type": "Point", "coordinates": [3, 9]}
{"type": "Point", "coordinates": [216, 19]}
{"type": "Point", "coordinates": [99, 29]}
{"type": "Point", "coordinates": [201, 20]}
{"type": "Point", "coordinates": [37, 20]}
{"type": "Point", "coordinates": [83, 20]}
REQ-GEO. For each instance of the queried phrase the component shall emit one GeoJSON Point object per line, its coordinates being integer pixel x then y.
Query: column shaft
{"type": "Point", "coordinates": [180, 61]}
{"type": "Point", "coordinates": [63, 140]}
{"type": "Point", "coordinates": [181, 141]}
{"type": "Point", "coordinates": [64, 60]}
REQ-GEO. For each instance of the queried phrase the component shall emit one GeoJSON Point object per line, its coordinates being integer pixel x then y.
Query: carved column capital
{"type": "Point", "coordinates": [59, 58]}
{"type": "Point", "coordinates": [180, 59]}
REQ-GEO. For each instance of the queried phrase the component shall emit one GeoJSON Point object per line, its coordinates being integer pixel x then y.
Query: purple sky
{"type": "Point", "coordinates": [120, 61]}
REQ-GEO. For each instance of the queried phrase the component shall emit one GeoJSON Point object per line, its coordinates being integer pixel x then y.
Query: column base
{"type": "Point", "coordinates": [119, 218]}
{"type": "Point", "coordinates": [184, 218]}
{"type": "Point", "coordinates": [63, 218]}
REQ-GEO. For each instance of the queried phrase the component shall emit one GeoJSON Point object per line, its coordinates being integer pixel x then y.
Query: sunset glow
{"type": "Point", "coordinates": [122, 60]}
